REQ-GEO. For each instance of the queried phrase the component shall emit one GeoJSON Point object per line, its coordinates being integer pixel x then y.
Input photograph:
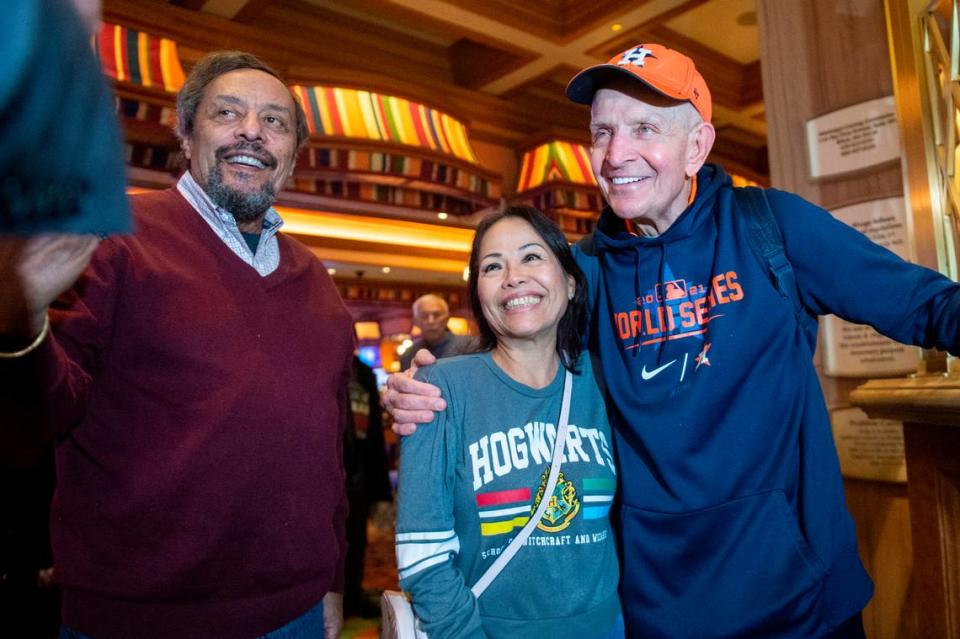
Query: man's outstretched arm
{"type": "Point", "coordinates": [410, 402]}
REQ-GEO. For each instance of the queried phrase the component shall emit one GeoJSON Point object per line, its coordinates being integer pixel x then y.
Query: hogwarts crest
{"type": "Point", "coordinates": [562, 506]}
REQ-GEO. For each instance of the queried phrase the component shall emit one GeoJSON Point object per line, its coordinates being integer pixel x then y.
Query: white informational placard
{"type": "Point", "coordinates": [868, 448]}
{"type": "Point", "coordinates": [853, 138]}
{"type": "Point", "coordinates": [854, 350]}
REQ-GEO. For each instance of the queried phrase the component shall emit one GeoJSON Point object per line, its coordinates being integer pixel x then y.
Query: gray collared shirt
{"type": "Point", "coordinates": [267, 257]}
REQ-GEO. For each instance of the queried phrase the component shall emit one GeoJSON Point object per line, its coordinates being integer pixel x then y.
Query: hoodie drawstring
{"type": "Point", "coordinates": [661, 298]}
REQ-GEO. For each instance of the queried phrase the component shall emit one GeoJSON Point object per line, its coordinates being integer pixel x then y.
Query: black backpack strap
{"type": "Point", "coordinates": [766, 240]}
{"type": "Point", "coordinates": [591, 272]}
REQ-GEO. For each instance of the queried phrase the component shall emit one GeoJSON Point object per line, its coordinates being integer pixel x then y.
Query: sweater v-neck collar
{"type": "Point", "coordinates": [265, 259]}
{"type": "Point", "coordinates": [209, 237]}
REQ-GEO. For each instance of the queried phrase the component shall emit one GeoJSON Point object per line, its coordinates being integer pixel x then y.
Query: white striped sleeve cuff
{"type": "Point", "coordinates": [418, 551]}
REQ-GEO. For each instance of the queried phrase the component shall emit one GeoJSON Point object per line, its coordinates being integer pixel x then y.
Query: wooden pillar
{"type": "Point", "coordinates": [818, 56]}
{"type": "Point", "coordinates": [929, 407]}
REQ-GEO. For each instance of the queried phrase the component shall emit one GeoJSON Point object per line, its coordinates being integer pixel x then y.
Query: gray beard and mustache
{"type": "Point", "coordinates": [244, 206]}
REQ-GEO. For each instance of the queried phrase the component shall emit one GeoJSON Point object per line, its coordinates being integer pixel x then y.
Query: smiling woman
{"type": "Point", "coordinates": [475, 476]}
{"type": "Point", "coordinates": [521, 259]}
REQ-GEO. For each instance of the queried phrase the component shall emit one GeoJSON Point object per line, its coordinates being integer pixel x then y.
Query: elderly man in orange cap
{"type": "Point", "coordinates": [704, 303]}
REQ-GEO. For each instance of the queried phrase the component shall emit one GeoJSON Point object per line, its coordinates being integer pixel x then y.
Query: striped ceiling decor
{"type": "Point", "coordinates": [385, 194]}
{"type": "Point", "coordinates": [139, 58]}
{"type": "Point", "coordinates": [336, 111]}
{"type": "Point", "coordinates": [356, 161]}
{"type": "Point", "coordinates": [165, 116]}
{"type": "Point", "coordinates": [154, 158]}
{"type": "Point", "coordinates": [555, 161]}
{"type": "Point", "coordinates": [560, 198]}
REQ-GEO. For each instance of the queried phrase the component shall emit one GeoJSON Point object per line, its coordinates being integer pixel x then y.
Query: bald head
{"type": "Point", "coordinates": [430, 315]}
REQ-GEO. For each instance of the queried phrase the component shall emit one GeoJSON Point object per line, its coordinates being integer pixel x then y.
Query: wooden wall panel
{"type": "Point", "coordinates": [882, 514]}
{"type": "Point", "coordinates": [816, 59]}
{"type": "Point", "coordinates": [818, 56]}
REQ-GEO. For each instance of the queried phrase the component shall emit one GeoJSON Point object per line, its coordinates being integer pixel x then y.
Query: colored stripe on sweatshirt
{"type": "Point", "coordinates": [597, 497]}
{"type": "Point", "coordinates": [503, 497]}
{"type": "Point", "coordinates": [503, 510]}
{"type": "Point", "coordinates": [505, 526]}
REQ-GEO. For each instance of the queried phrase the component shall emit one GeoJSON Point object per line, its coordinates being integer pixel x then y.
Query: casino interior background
{"type": "Point", "coordinates": [424, 114]}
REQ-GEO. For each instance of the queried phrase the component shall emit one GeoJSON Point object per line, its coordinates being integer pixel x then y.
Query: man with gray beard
{"type": "Point", "coordinates": [194, 379]}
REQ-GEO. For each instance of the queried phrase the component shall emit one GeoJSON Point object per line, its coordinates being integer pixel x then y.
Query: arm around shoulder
{"type": "Point", "coordinates": [409, 401]}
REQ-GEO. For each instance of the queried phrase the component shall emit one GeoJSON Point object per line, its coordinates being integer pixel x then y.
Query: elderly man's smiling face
{"type": "Point", "coordinates": [244, 141]}
{"type": "Point", "coordinates": [644, 148]}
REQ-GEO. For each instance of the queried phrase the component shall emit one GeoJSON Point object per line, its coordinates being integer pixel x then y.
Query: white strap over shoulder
{"type": "Point", "coordinates": [487, 578]}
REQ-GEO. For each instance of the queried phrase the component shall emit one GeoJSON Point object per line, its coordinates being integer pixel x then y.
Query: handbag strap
{"type": "Point", "coordinates": [491, 573]}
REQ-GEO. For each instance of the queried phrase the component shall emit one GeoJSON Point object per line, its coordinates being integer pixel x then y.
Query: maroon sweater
{"type": "Point", "coordinates": [198, 405]}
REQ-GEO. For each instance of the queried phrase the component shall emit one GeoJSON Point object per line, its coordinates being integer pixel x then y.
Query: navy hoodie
{"type": "Point", "coordinates": [733, 513]}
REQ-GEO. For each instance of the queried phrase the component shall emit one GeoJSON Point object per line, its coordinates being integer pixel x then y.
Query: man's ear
{"type": "Point", "coordinates": [186, 148]}
{"type": "Point", "coordinates": [699, 143]}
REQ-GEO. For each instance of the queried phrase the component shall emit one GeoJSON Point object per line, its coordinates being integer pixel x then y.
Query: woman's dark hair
{"type": "Point", "coordinates": [570, 330]}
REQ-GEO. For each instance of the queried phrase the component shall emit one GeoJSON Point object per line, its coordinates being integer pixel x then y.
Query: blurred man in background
{"type": "Point", "coordinates": [430, 315]}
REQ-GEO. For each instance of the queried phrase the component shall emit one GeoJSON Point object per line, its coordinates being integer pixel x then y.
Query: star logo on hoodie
{"type": "Point", "coordinates": [702, 358]}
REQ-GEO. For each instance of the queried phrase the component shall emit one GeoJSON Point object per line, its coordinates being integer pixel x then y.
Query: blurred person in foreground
{"type": "Point", "coordinates": [61, 174]}
{"type": "Point", "coordinates": [470, 480]}
{"type": "Point", "coordinates": [733, 519]}
{"type": "Point", "coordinates": [54, 97]}
{"type": "Point", "coordinates": [194, 379]}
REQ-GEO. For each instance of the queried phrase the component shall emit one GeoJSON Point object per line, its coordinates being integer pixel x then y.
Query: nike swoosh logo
{"type": "Point", "coordinates": [645, 374]}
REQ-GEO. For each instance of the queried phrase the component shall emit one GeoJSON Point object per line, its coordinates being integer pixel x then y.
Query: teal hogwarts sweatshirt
{"type": "Point", "coordinates": [469, 482]}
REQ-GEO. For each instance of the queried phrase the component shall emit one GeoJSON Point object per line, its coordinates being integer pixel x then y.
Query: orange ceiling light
{"type": "Point", "coordinates": [378, 232]}
{"type": "Point", "coordinates": [378, 258]}
{"type": "Point", "coordinates": [137, 190]}
{"type": "Point", "coordinates": [351, 113]}
{"type": "Point", "coordinates": [367, 330]}
{"type": "Point", "coordinates": [360, 228]}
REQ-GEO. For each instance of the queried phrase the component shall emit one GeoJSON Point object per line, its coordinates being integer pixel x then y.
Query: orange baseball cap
{"type": "Point", "coordinates": [664, 70]}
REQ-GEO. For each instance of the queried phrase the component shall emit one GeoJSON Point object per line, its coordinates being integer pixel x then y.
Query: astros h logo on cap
{"type": "Point", "coordinates": [664, 70]}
